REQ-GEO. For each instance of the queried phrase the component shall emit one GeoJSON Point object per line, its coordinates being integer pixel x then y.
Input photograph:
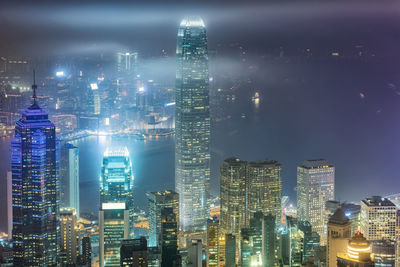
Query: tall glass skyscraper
{"type": "Point", "coordinates": [158, 201]}
{"type": "Point", "coordinates": [315, 186]}
{"type": "Point", "coordinates": [116, 204]}
{"type": "Point", "coordinates": [35, 189]}
{"type": "Point", "coordinates": [69, 173]}
{"type": "Point", "coordinates": [192, 125]}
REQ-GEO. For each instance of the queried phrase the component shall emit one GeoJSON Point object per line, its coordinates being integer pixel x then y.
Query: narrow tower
{"type": "Point", "coordinates": [192, 126]}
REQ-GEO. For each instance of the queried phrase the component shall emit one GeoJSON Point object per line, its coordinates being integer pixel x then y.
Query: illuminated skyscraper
{"type": "Point", "coordinates": [69, 236]}
{"type": "Point", "coordinates": [158, 201]}
{"type": "Point", "coordinates": [265, 188]}
{"type": "Point", "coordinates": [192, 126]}
{"type": "Point", "coordinates": [378, 219]}
{"type": "Point", "coordinates": [116, 181]}
{"type": "Point", "coordinates": [35, 189]}
{"type": "Point", "coordinates": [113, 228]}
{"type": "Point", "coordinates": [9, 205]}
{"type": "Point", "coordinates": [127, 62]}
{"type": "Point", "coordinates": [69, 173]}
{"type": "Point", "coordinates": [315, 186]}
{"type": "Point", "coordinates": [212, 242]}
{"type": "Point", "coordinates": [233, 197]}
{"type": "Point", "coordinates": [116, 204]}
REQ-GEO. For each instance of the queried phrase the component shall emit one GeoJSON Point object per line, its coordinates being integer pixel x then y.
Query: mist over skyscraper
{"type": "Point", "coordinates": [170, 135]}
{"type": "Point", "coordinates": [192, 124]}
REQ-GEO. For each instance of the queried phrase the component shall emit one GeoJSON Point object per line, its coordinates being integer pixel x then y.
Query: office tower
{"type": "Point", "coordinates": [113, 228]}
{"type": "Point", "coordinates": [265, 188]}
{"type": "Point", "coordinates": [169, 238]}
{"type": "Point", "coordinates": [233, 197]}
{"type": "Point", "coordinates": [378, 219]}
{"type": "Point", "coordinates": [296, 244]}
{"type": "Point", "coordinates": [35, 188]}
{"type": "Point", "coordinates": [69, 173]}
{"type": "Point", "coordinates": [358, 253]}
{"type": "Point", "coordinates": [116, 181]}
{"type": "Point", "coordinates": [384, 252]}
{"type": "Point", "coordinates": [315, 186]}
{"type": "Point", "coordinates": [230, 250]}
{"type": "Point", "coordinates": [94, 102]}
{"type": "Point", "coordinates": [157, 201]}
{"type": "Point", "coordinates": [9, 205]}
{"type": "Point", "coordinates": [69, 236]}
{"type": "Point", "coordinates": [339, 233]}
{"type": "Point", "coordinates": [311, 239]}
{"type": "Point", "coordinates": [192, 125]}
{"type": "Point", "coordinates": [134, 252]}
{"type": "Point", "coordinates": [86, 251]}
{"type": "Point", "coordinates": [212, 242]}
{"type": "Point", "coordinates": [116, 204]}
{"type": "Point", "coordinates": [269, 240]}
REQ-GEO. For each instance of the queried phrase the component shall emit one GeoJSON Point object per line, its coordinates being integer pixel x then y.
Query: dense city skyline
{"type": "Point", "coordinates": [266, 137]}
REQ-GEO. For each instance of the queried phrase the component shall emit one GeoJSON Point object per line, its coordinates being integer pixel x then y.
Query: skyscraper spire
{"type": "Point", "coordinates": [34, 87]}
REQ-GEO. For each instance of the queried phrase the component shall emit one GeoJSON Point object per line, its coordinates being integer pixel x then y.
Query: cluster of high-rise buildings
{"type": "Point", "coordinates": [251, 228]}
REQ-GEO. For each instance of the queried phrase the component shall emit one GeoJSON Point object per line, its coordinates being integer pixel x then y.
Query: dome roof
{"type": "Point", "coordinates": [338, 217]}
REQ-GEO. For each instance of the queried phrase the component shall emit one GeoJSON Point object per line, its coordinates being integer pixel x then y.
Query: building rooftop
{"type": "Point", "coordinates": [378, 201]}
{"type": "Point", "coordinates": [192, 22]}
{"type": "Point", "coordinates": [316, 163]}
{"type": "Point", "coordinates": [338, 217]}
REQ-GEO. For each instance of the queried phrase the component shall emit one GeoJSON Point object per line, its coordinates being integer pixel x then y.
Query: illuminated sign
{"type": "Point", "coordinates": [113, 206]}
{"type": "Point", "coordinates": [94, 86]}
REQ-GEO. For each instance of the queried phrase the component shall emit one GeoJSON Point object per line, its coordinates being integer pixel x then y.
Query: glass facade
{"type": "Point", "coordinates": [69, 173]}
{"type": "Point", "coordinates": [116, 220]}
{"type": "Point", "coordinates": [315, 186]}
{"type": "Point", "coordinates": [35, 190]}
{"type": "Point", "coordinates": [192, 125]}
{"type": "Point", "coordinates": [116, 181]}
{"type": "Point", "coordinates": [158, 201]}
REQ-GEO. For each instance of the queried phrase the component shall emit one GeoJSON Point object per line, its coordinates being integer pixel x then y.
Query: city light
{"type": "Point", "coordinates": [60, 74]}
{"type": "Point", "coordinates": [94, 86]}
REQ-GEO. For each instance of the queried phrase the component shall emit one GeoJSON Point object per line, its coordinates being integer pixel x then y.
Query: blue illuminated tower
{"type": "Point", "coordinates": [35, 189]}
{"type": "Point", "coordinates": [192, 126]}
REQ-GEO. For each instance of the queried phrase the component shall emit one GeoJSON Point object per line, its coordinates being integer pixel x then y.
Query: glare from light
{"type": "Point", "coordinates": [94, 86]}
{"type": "Point", "coordinates": [60, 74]}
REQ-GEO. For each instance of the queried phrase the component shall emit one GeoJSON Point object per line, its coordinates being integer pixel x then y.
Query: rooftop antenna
{"type": "Point", "coordinates": [34, 87]}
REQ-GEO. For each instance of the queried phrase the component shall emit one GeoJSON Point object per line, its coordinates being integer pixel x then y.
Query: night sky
{"type": "Point", "coordinates": [345, 110]}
